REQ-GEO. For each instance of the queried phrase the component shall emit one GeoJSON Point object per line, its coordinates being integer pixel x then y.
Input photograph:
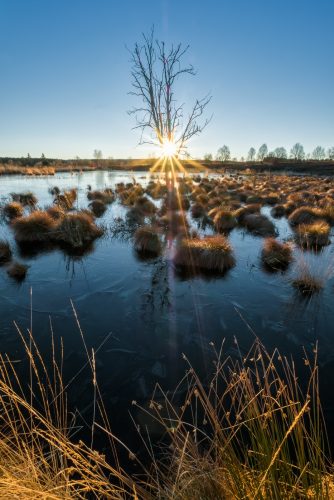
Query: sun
{"type": "Point", "coordinates": [168, 148]}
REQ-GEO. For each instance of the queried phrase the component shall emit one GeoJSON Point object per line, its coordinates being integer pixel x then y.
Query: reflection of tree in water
{"type": "Point", "coordinates": [157, 296]}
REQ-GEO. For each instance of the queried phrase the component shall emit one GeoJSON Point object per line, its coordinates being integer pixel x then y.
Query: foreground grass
{"type": "Point", "coordinates": [251, 432]}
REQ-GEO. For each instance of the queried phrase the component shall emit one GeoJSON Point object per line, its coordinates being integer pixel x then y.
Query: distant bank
{"type": "Point", "coordinates": [49, 166]}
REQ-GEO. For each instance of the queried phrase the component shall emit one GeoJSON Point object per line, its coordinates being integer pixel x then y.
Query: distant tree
{"type": "Point", "coordinates": [297, 151]}
{"type": "Point", "coordinates": [77, 157]}
{"type": "Point", "coordinates": [330, 153]}
{"type": "Point", "coordinates": [208, 157]}
{"type": "Point", "coordinates": [280, 153]}
{"type": "Point", "coordinates": [262, 152]}
{"type": "Point", "coordinates": [43, 156]}
{"type": "Point", "coordinates": [318, 153]}
{"type": "Point", "coordinates": [97, 154]}
{"type": "Point", "coordinates": [224, 153]}
{"type": "Point", "coordinates": [28, 155]}
{"type": "Point", "coordinates": [242, 159]}
{"type": "Point", "coordinates": [251, 154]}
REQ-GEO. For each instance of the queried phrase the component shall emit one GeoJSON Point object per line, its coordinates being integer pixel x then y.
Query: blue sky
{"type": "Point", "coordinates": [65, 73]}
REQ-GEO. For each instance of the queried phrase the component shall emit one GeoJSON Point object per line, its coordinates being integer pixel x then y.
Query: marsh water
{"type": "Point", "coordinates": [140, 316]}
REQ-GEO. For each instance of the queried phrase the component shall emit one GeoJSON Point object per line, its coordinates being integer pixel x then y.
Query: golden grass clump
{"type": "Point", "coordinates": [198, 210]}
{"type": "Point", "coordinates": [278, 211]}
{"type": "Point", "coordinates": [13, 210]}
{"type": "Point", "coordinates": [242, 212]}
{"type": "Point", "coordinates": [106, 196]}
{"type": "Point", "coordinates": [26, 199]}
{"type": "Point", "coordinates": [308, 284]}
{"type": "Point", "coordinates": [145, 205]}
{"type": "Point", "coordinates": [313, 235]}
{"type": "Point", "coordinates": [35, 227]}
{"type": "Point", "coordinates": [77, 230]}
{"type": "Point", "coordinates": [224, 220]}
{"type": "Point", "coordinates": [5, 252]}
{"type": "Point", "coordinates": [211, 253]}
{"type": "Point", "coordinates": [259, 224]}
{"type": "Point", "coordinates": [276, 255]}
{"type": "Point", "coordinates": [56, 212]}
{"type": "Point", "coordinates": [147, 241]}
{"type": "Point", "coordinates": [98, 207]}
{"type": "Point", "coordinates": [305, 215]}
{"type": "Point", "coordinates": [66, 199]}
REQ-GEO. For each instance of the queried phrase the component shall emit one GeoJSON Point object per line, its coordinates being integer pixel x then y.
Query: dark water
{"type": "Point", "coordinates": [146, 316]}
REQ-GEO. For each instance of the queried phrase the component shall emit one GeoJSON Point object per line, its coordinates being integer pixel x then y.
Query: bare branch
{"type": "Point", "coordinates": [155, 70]}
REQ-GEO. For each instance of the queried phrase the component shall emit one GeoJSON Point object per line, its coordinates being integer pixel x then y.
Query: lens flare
{"type": "Point", "coordinates": [168, 148]}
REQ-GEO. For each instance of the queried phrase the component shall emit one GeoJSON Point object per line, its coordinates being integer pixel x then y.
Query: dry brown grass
{"type": "Point", "coordinates": [77, 230]}
{"type": "Point", "coordinates": [259, 224]}
{"type": "Point", "coordinates": [224, 220]}
{"type": "Point", "coordinates": [98, 207]}
{"type": "Point", "coordinates": [211, 253]}
{"type": "Point", "coordinates": [13, 210]}
{"type": "Point", "coordinates": [305, 215]}
{"type": "Point", "coordinates": [26, 199]}
{"type": "Point", "coordinates": [147, 241]}
{"type": "Point", "coordinates": [35, 227]}
{"type": "Point", "coordinates": [106, 196]}
{"type": "Point", "coordinates": [314, 235]}
{"type": "Point", "coordinates": [276, 255]}
{"type": "Point", "coordinates": [17, 271]}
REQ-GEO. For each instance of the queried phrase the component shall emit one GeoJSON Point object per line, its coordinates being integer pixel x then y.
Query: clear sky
{"type": "Point", "coordinates": [65, 73]}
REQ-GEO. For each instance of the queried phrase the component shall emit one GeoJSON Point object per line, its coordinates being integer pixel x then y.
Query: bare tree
{"type": "Point", "coordinates": [208, 157]}
{"type": "Point", "coordinates": [155, 71]}
{"type": "Point", "coordinates": [223, 153]}
{"type": "Point", "coordinates": [319, 153]}
{"type": "Point", "coordinates": [280, 152]}
{"type": "Point", "coordinates": [330, 153]}
{"type": "Point", "coordinates": [297, 152]}
{"type": "Point", "coordinates": [262, 152]}
{"type": "Point", "coordinates": [97, 154]}
{"type": "Point", "coordinates": [251, 154]}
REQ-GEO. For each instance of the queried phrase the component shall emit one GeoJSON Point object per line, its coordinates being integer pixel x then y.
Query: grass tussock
{"type": "Point", "coordinates": [224, 220]}
{"type": "Point", "coordinates": [313, 235]}
{"type": "Point", "coordinates": [77, 230]}
{"type": "Point", "coordinates": [26, 199]}
{"type": "Point", "coordinates": [106, 196]}
{"type": "Point", "coordinates": [66, 199]}
{"type": "Point", "coordinates": [259, 224]}
{"type": "Point", "coordinates": [305, 215]}
{"type": "Point", "coordinates": [35, 227]}
{"type": "Point", "coordinates": [308, 283]}
{"type": "Point", "coordinates": [13, 210]}
{"type": "Point", "coordinates": [17, 271]}
{"type": "Point", "coordinates": [275, 255]}
{"type": "Point", "coordinates": [147, 241]}
{"type": "Point", "coordinates": [211, 254]}
{"type": "Point", "coordinates": [98, 207]}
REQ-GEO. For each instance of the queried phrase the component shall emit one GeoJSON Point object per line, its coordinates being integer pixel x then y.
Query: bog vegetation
{"type": "Point", "coordinates": [251, 431]}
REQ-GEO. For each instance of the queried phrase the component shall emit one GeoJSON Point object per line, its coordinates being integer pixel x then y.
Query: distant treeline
{"type": "Point", "coordinates": [20, 165]}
